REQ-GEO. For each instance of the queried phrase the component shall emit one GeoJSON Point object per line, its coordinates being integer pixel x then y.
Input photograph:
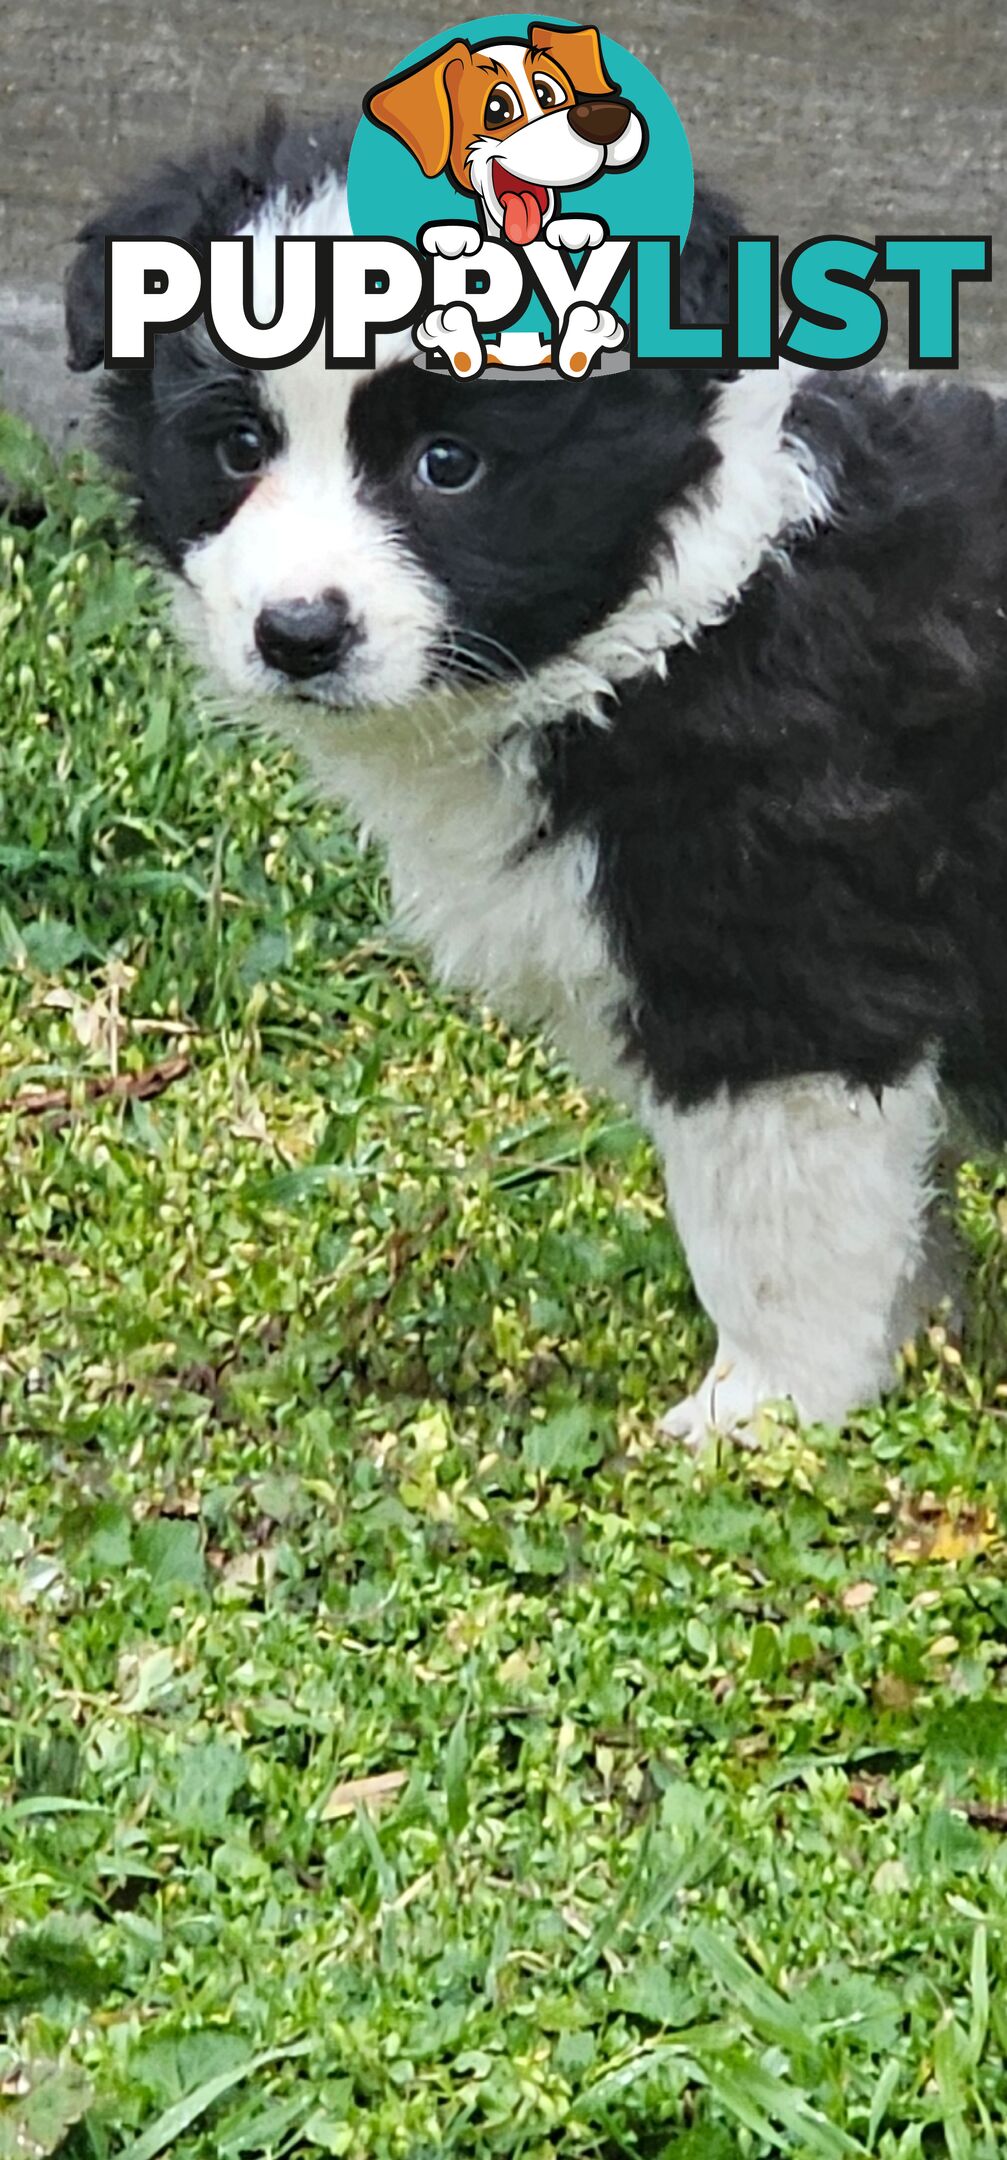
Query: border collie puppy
{"type": "Point", "coordinates": [679, 703]}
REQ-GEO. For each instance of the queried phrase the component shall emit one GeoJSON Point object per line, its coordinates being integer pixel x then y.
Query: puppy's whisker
{"type": "Point", "coordinates": [456, 657]}
{"type": "Point", "coordinates": [460, 663]}
{"type": "Point", "coordinates": [513, 665]}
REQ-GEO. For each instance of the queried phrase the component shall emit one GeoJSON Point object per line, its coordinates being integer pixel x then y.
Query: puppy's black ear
{"type": "Point", "coordinates": [170, 205]}
{"type": "Point", "coordinates": [211, 195]}
{"type": "Point", "coordinates": [84, 301]}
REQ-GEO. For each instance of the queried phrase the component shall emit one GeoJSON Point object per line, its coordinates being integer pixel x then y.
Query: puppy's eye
{"type": "Point", "coordinates": [448, 465]}
{"type": "Point", "coordinates": [242, 452]}
{"type": "Point", "coordinates": [547, 91]}
{"type": "Point", "coordinates": [501, 108]}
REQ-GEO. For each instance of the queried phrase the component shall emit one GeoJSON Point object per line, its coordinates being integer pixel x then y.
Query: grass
{"type": "Point", "coordinates": [328, 1379]}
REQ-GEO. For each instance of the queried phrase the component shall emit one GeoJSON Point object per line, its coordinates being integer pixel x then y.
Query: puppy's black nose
{"type": "Point", "coordinates": [306, 637]}
{"type": "Point", "coordinates": [599, 120]}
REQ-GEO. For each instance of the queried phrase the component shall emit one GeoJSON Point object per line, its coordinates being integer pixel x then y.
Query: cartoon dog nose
{"type": "Point", "coordinates": [599, 120]}
{"type": "Point", "coordinates": [305, 637]}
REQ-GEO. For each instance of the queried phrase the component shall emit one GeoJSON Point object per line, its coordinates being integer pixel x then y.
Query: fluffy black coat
{"type": "Point", "coordinates": [802, 829]}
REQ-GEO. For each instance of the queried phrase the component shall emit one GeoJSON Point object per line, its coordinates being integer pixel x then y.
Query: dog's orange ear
{"type": "Point", "coordinates": [578, 53]}
{"type": "Point", "coordinates": [417, 107]}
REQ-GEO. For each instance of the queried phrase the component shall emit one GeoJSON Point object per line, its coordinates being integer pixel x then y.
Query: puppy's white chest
{"type": "Point", "coordinates": [503, 910]}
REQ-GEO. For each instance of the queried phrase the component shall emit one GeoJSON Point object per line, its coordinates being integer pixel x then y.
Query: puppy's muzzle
{"type": "Point", "coordinates": [302, 638]}
{"type": "Point", "coordinates": [599, 120]}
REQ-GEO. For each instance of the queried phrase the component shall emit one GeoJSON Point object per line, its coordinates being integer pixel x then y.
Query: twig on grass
{"type": "Point", "coordinates": [58, 1106]}
{"type": "Point", "coordinates": [874, 1796]}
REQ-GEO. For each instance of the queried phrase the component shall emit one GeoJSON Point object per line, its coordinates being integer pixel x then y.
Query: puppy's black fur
{"type": "Point", "coordinates": [802, 829]}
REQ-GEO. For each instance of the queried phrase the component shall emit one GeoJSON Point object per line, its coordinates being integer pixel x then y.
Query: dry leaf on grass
{"type": "Point", "coordinates": [857, 1596]}
{"type": "Point", "coordinates": [250, 1569]}
{"type": "Point", "coordinates": [946, 1531]}
{"type": "Point", "coordinates": [375, 1792]}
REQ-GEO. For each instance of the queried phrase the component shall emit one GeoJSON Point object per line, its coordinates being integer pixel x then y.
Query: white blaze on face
{"type": "Point", "coordinates": [304, 529]}
{"type": "Point", "coordinates": [509, 55]}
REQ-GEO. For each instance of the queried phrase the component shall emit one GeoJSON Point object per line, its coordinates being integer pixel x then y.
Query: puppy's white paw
{"type": "Point", "coordinates": [587, 330]}
{"type": "Point", "coordinates": [451, 240]}
{"type": "Point", "coordinates": [576, 232]}
{"type": "Point", "coordinates": [726, 1402]}
{"type": "Point", "coordinates": [453, 329]}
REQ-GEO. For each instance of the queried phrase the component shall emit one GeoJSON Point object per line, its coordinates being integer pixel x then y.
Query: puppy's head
{"type": "Point", "coordinates": [513, 121]}
{"type": "Point", "coordinates": [355, 538]}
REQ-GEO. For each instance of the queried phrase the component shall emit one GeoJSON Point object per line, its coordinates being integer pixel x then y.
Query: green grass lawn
{"type": "Point", "coordinates": [331, 1350]}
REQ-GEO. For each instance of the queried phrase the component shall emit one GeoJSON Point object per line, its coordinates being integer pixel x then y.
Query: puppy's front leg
{"type": "Point", "coordinates": [802, 1206]}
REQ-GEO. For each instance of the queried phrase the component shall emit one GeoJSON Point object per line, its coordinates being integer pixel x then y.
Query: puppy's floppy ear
{"type": "Point", "coordinates": [213, 193]}
{"type": "Point", "coordinates": [417, 107]}
{"type": "Point", "coordinates": [170, 206]}
{"type": "Point", "coordinates": [84, 302]}
{"type": "Point", "coordinates": [578, 53]}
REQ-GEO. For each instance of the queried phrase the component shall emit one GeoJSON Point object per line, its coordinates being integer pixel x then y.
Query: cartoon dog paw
{"type": "Point", "coordinates": [576, 232]}
{"type": "Point", "coordinates": [587, 331]}
{"type": "Point", "coordinates": [453, 329]}
{"type": "Point", "coordinates": [451, 240]}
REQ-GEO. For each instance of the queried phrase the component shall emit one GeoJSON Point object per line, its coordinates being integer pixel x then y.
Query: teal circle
{"type": "Point", "coordinates": [388, 193]}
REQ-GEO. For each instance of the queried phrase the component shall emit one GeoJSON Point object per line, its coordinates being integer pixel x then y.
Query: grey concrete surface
{"type": "Point", "coordinates": [851, 115]}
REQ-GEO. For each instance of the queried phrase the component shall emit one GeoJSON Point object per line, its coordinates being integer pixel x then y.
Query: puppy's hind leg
{"type": "Point", "coordinates": [803, 1208]}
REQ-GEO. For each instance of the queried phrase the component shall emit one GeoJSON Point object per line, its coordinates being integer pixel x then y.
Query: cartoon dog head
{"type": "Point", "coordinates": [513, 121]}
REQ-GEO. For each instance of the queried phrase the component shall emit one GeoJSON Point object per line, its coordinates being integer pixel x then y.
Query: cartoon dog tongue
{"type": "Point", "coordinates": [522, 216]}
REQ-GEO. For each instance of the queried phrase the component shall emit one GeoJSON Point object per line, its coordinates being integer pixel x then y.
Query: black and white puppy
{"type": "Point", "coordinates": [679, 702]}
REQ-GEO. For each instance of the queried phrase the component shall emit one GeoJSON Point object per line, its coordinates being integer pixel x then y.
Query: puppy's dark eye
{"type": "Point", "coordinates": [501, 108]}
{"type": "Point", "coordinates": [449, 465]}
{"type": "Point", "coordinates": [242, 452]}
